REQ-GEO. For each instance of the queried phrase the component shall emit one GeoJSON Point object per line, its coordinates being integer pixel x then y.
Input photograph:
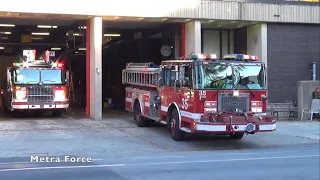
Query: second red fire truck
{"type": "Point", "coordinates": [36, 83]}
{"type": "Point", "coordinates": [200, 94]}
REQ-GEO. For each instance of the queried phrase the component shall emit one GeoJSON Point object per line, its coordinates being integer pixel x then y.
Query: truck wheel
{"type": "Point", "coordinates": [176, 133]}
{"type": "Point", "coordinates": [140, 120]}
{"type": "Point", "coordinates": [236, 136]}
{"type": "Point", "coordinates": [57, 113]}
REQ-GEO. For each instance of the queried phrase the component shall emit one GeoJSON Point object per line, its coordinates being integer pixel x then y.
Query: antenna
{"type": "Point", "coordinates": [190, 55]}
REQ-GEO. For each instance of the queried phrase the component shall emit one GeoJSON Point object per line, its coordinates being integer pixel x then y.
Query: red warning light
{"type": "Point", "coordinates": [60, 65]}
{"type": "Point", "coordinates": [14, 64]}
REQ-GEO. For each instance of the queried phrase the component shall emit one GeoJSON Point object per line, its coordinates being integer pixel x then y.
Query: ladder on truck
{"type": "Point", "coordinates": [141, 74]}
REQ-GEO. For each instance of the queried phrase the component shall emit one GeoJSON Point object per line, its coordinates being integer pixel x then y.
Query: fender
{"type": "Point", "coordinates": [141, 107]}
{"type": "Point", "coordinates": [178, 109]}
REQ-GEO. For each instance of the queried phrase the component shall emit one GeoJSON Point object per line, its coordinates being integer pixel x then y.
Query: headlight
{"type": "Point", "coordinates": [59, 95]}
{"type": "Point", "coordinates": [20, 95]}
{"type": "Point", "coordinates": [236, 93]}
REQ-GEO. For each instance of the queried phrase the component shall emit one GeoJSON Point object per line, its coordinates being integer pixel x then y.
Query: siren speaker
{"type": "Point", "coordinates": [166, 50]}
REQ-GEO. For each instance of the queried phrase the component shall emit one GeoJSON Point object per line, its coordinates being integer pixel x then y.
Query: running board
{"type": "Point", "coordinates": [163, 122]}
{"type": "Point", "coordinates": [185, 129]}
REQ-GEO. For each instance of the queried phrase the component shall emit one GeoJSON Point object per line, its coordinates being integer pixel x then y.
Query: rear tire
{"type": "Point", "coordinates": [175, 131]}
{"type": "Point", "coordinates": [140, 120]}
{"type": "Point", "coordinates": [236, 136]}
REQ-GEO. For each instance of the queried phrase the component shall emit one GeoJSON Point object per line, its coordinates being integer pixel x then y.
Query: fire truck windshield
{"type": "Point", "coordinates": [228, 76]}
{"type": "Point", "coordinates": [36, 76]}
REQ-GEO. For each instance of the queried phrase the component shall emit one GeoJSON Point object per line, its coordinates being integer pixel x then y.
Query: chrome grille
{"type": "Point", "coordinates": [40, 94]}
{"type": "Point", "coordinates": [228, 103]}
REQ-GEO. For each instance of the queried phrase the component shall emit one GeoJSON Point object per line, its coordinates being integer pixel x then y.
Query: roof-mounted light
{"type": "Point", "coordinates": [7, 25]}
{"type": "Point", "coordinates": [5, 33]}
{"type": "Point", "coordinates": [207, 57]}
{"type": "Point", "coordinates": [55, 49]}
{"type": "Point", "coordinates": [240, 57]}
{"type": "Point", "coordinates": [199, 57]}
{"type": "Point", "coordinates": [111, 35]}
{"type": "Point", "coordinates": [40, 33]}
{"type": "Point", "coordinates": [47, 26]}
{"type": "Point", "coordinates": [213, 56]}
{"type": "Point", "coordinates": [57, 65]}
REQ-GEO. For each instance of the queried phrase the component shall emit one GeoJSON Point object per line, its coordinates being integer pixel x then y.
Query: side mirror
{"type": "Point", "coordinates": [67, 80]}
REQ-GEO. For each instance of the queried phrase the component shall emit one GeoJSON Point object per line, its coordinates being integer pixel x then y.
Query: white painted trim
{"type": "Point", "coordinates": [268, 127]}
{"type": "Point", "coordinates": [49, 106]}
{"type": "Point", "coordinates": [34, 106]}
{"type": "Point", "coordinates": [202, 127]}
{"type": "Point", "coordinates": [191, 115]}
{"type": "Point", "coordinates": [239, 127]}
{"type": "Point", "coordinates": [164, 108]}
{"type": "Point", "coordinates": [62, 105]}
{"type": "Point", "coordinates": [19, 106]}
{"type": "Point", "coordinates": [260, 114]}
{"type": "Point", "coordinates": [184, 113]}
{"type": "Point", "coordinates": [129, 100]}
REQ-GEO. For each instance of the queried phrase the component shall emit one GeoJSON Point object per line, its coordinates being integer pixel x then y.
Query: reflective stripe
{"type": "Point", "coordinates": [202, 127]}
{"type": "Point", "coordinates": [184, 113]}
{"type": "Point", "coordinates": [20, 107]}
{"type": "Point", "coordinates": [129, 99]}
{"type": "Point", "coordinates": [34, 106]}
{"type": "Point", "coordinates": [49, 106]}
{"type": "Point", "coordinates": [268, 127]}
{"type": "Point", "coordinates": [147, 104]}
{"type": "Point", "coordinates": [59, 106]}
{"type": "Point", "coordinates": [62, 105]}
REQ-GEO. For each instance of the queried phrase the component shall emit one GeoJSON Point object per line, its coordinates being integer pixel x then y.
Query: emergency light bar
{"type": "Point", "coordinates": [200, 57]}
{"type": "Point", "coordinates": [26, 65]}
{"type": "Point", "coordinates": [240, 57]}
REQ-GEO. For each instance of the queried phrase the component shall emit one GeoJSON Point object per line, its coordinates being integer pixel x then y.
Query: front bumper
{"type": "Point", "coordinates": [229, 128]}
{"type": "Point", "coordinates": [21, 106]}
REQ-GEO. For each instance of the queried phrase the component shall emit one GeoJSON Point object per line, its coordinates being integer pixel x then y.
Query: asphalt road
{"type": "Point", "coordinates": [298, 162]}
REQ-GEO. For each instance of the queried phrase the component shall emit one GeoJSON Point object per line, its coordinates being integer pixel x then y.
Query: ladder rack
{"type": "Point", "coordinates": [141, 74]}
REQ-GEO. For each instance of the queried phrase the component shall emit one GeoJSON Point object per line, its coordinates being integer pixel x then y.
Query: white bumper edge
{"type": "Point", "coordinates": [240, 128]}
{"type": "Point", "coordinates": [49, 106]}
{"type": "Point", "coordinates": [268, 127]}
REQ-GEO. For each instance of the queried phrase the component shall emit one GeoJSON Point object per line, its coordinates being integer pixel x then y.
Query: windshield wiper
{"type": "Point", "coordinates": [50, 81]}
{"type": "Point", "coordinates": [32, 82]}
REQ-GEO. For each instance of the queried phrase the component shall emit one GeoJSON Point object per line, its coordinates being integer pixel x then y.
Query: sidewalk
{"type": "Point", "coordinates": [302, 129]}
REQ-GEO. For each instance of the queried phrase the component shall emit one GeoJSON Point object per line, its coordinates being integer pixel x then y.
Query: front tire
{"type": "Point", "coordinates": [57, 113]}
{"type": "Point", "coordinates": [175, 131]}
{"type": "Point", "coordinates": [236, 136]}
{"type": "Point", "coordinates": [140, 120]}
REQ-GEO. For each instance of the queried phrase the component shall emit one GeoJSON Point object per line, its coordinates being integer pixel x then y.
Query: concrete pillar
{"type": "Point", "coordinates": [94, 68]}
{"type": "Point", "coordinates": [191, 38]}
{"type": "Point", "coordinates": [257, 41]}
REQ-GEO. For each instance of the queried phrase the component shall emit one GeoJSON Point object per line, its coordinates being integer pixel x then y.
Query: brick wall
{"type": "Point", "coordinates": [291, 50]}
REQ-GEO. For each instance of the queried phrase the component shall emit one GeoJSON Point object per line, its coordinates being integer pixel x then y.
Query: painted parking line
{"type": "Point", "coordinates": [160, 163]}
{"type": "Point", "coordinates": [223, 154]}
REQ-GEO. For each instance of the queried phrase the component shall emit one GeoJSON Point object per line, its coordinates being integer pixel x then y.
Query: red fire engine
{"type": "Point", "coordinates": [200, 94]}
{"type": "Point", "coordinates": [36, 84]}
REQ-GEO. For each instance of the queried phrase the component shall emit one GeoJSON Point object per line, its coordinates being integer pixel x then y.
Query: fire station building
{"type": "Point", "coordinates": [283, 34]}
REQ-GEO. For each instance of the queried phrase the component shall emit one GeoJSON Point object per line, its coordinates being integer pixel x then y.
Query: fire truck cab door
{"type": "Point", "coordinates": [174, 87]}
{"type": "Point", "coordinates": [9, 92]}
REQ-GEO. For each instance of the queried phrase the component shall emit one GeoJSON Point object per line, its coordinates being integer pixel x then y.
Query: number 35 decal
{"type": "Point", "coordinates": [184, 103]}
{"type": "Point", "coordinates": [202, 93]}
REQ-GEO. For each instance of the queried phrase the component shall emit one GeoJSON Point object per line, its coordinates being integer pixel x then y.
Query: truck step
{"type": "Point", "coordinates": [185, 129]}
{"type": "Point", "coordinates": [163, 122]}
